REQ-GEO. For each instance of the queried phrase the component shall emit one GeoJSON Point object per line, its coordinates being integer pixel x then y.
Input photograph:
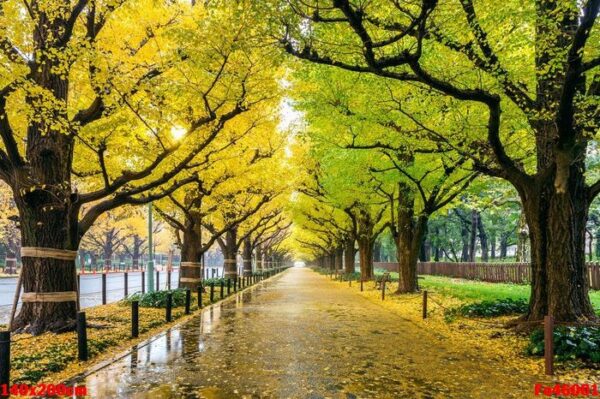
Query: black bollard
{"type": "Point", "coordinates": [234, 284]}
{"type": "Point", "coordinates": [104, 288]}
{"type": "Point", "coordinates": [425, 304]}
{"type": "Point", "coordinates": [188, 300]}
{"type": "Point", "coordinates": [135, 319]}
{"type": "Point", "coordinates": [5, 359]}
{"type": "Point", "coordinates": [143, 282]}
{"type": "Point", "coordinates": [212, 292]}
{"type": "Point", "coordinates": [125, 284]}
{"type": "Point", "coordinates": [157, 280]}
{"type": "Point", "coordinates": [222, 288]}
{"type": "Point", "coordinates": [200, 296]}
{"type": "Point", "coordinates": [228, 286]}
{"type": "Point", "coordinates": [169, 307]}
{"type": "Point", "coordinates": [361, 284]}
{"type": "Point", "coordinates": [82, 344]}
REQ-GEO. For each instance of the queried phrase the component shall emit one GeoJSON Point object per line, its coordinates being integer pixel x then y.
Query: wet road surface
{"type": "Point", "coordinates": [299, 336]}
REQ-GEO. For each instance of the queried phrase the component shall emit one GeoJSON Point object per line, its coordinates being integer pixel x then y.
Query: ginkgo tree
{"type": "Point", "coordinates": [104, 104]}
{"type": "Point", "coordinates": [242, 147]}
{"type": "Point", "coordinates": [530, 82]}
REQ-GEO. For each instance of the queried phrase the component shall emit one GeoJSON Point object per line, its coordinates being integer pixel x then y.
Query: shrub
{"type": "Point", "coordinates": [500, 307]}
{"type": "Point", "coordinates": [569, 343]}
{"type": "Point", "coordinates": [157, 299]}
{"type": "Point", "coordinates": [216, 281]}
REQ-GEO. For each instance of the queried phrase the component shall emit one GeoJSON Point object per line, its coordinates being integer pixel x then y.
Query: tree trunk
{"type": "Point", "coordinates": [409, 238]}
{"type": "Point", "coordinates": [247, 257]}
{"type": "Point", "coordinates": [377, 251]}
{"type": "Point", "coordinates": [339, 258]}
{"type": "Point", "coordinates": [46, 229]}
{"type": "Point", "coordinates": [557, 222]}
{"type": "Point", "coordinates": [107, 251]}
{"type": "Point", "coordinates": [408, 244]}
{"type": "Point", "coordinates": [503, 245]}
{"type": "Point", "coordinates": [230, 250]}
{"type": "Point", "coordinates": [483, 238]}
{"type": "Point", "coordinates": [349, 255]}
{"type": "Point", "coordinates": [365, 250]}
{"type": "Point", "coordinates": [190, 270]}
{"type": "Point", "coordinates": [590, 245]}
{"type": "Point", "coordinates": [48, 208]}
{"type": "Point", "coordinates": [464, 233]}
{"type": "Point", "coordinates": [523, 240]}
{"type": "Point", "coordinates": [597, 252]}
{"type": "Point", "coordinates": [425, 250]}
{"type": "Point", "coordinates": [259, 258]}
{"type": "Point", "coordinates": [473, 236]}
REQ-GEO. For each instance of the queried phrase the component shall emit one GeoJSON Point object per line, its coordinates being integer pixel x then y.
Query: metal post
{"type": "Point", "coordinates": [157, 280]}
{"type": "Point", "coordinates": [234, 284]}
{"type": "Point", "coordinates": [169, 306]}
{"type": "Point", "coordinates": [222, 288]}
{"type": "Point", "coordinates": [169, 279]}
{"type": "Point", "coordinates": [143, 282]}
{"type": "Point", "coordinates": [228, 286]}
{"type": "Point", "coordinates": [212, 292]}
{"type": "Point", "coordinates": [135, 319]}
{"type": "Point", "coordinates": [188, 300]}
{"type": "Point", "coordinates": [382, 289]}
{"type": "Point", "coordinates": [126, 283]}
{"type": "Point", "coordinates": [5, 358]}
{"type": "Point", "coordinates": [150, 248]}
{"type": "Point", "coordinates": [82, 346]}
{"type": "Point", "coordinates": [104, 288]}
{"type": "Point", "coordinates": [549, 344]}
{"type": "Point", "coordinates": [425, 304]}
{"type": "Point", "coordinates": [200, 296]}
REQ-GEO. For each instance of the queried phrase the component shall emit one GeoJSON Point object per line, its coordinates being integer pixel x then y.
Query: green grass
{"type": "Point", "coordinates": [480, 291]}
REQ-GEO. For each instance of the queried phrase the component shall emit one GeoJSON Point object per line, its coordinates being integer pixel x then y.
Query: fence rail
{"type": "Point", "coordinates": [518, 273]}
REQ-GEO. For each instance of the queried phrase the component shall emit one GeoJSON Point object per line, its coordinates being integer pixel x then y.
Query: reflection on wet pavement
{"type": "Point", "coordinates": [298, 336]}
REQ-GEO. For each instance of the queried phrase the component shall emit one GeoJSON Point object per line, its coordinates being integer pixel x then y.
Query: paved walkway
{"type": "Point", "coordinates": [299, 336]}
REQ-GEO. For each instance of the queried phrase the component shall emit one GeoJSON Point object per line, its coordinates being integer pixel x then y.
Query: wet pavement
{"type": "Point", "coordinates": [298, 335]}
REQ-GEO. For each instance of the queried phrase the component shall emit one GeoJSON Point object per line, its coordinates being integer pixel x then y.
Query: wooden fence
{"type": "Point", "coordinates": [518, 273]}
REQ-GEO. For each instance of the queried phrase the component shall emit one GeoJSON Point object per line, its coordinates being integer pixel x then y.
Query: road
{"type": "Point", "coordinates": [299, 336]}
{"type": "Point", "coordinates": [91, 289]}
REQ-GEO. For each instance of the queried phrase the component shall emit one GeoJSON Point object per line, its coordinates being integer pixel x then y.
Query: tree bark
{"type": "Point", "coordinates": [349, 255]}
{"type": "Point", "coordinates": [339, 258]}
{"type": "Point", "coordinates": [410, 233]}
{"type": "Point", "coordinates": [473, 236]}
{"type": "Point", "coordinates": [557, 222]}
{"type": "Point", "coordinates": [483, 238]}
{"type": "Point", "coordinates": [190, 271]}
{"type": "Point", "coordinates": [365, 250]}
{"type": "Point", "coordinates": [247, 257]}
{"type": "Point", "coordinates": [522, 240]}
{"type": "Point", "coordinates": [230, 250]}
{"type": "Point", "coordinates": [377, 251]}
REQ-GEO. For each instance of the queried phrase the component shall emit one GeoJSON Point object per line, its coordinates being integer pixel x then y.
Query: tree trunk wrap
{"type": "Point", "coordinates": [50, 290]}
